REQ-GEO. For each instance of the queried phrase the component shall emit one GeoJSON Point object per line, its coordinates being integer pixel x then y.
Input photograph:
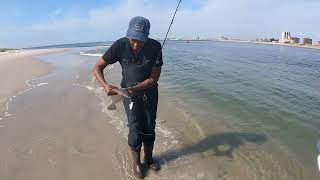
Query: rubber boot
{"type": "Point", "coordinates": [148, 160]}
{"type": "Point", "coordinates": [136, 164]}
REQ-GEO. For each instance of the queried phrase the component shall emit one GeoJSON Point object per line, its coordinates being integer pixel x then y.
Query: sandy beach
{"type": "Point", "coordinates": [16, 67]}
{"type": "Point", "coordinates": [42, 134]}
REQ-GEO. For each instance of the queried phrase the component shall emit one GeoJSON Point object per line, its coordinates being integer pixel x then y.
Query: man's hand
{"type": "Point", "coordinates": [98, 72]}
{"type": "Point", "coordinates": [109, 89]}
{"type": "Point", "coordinates": [154, 77]}
{"type": "Point", "coordinates": [131, 89]}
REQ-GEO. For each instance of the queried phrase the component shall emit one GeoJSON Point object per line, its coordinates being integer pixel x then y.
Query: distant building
{"type": "Point", "coordinates": [224, 38]}
{"type": "Point", "coordinates": [318, 43]}
{"type": "Point", "coordinates": [307, 41]}
{"type": "Point", "coordinates": [274, 40]}
{"type": "Point", "coordinates": [285, 37]}
{"type": "Point", "coordinates": [260, 40]}
{"type": "Point", "coordinates": [295, 40]}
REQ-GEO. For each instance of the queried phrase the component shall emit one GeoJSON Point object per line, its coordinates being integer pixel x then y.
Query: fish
{"type": "Point", "coordinates": [114, 100]}
{"type": "Point", "coordinates": [122, 93]}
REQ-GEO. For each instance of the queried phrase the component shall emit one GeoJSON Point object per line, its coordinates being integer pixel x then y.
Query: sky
{"type": "Point", "coordinates": [30, 23]}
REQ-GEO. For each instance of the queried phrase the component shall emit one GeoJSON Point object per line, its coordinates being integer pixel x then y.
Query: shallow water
{"type": "Point", "coordinates": [261, 101]}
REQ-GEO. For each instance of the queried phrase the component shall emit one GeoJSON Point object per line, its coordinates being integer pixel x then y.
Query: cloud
{"type": "Point", "coordinates": [245, 19]}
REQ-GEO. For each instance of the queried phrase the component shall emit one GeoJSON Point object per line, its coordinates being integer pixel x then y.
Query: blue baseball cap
{"type": "Point", "coordinates": [138, 28]}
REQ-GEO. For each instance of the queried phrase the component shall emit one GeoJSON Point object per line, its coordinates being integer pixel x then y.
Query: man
{"type": "Point", "coordinates": [141, 59]}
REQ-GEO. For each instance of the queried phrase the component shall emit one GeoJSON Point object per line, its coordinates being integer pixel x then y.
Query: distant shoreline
{"type": "Point", "coordinates": [104, 43]}
{"type": "Point", "coordinates": [248, 41]}
{"type": "Point", "coordinates": [267, 43]}
{"type": "Point", "coordinates": [291, 45]}
{"type": "Point", "coordinates": [6, 49]}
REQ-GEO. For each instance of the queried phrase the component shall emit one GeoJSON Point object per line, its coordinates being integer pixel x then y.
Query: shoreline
{"type": "Point", "coordinates": [290, 45]}
{"type": "Point", "coordinates": [56, 131]}
{"type": "Point", "coordinates": [63, 131]}
{"type": "Point", "coordinates": [7, 49]}
{"type": "Point", "coordinates": [17, 68]}
{"type": "Point", "coordinates": [271, 43]}
{"type": "Point", "coordinates": [252, 42]}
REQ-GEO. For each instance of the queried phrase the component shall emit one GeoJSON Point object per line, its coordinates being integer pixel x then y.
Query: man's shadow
{"type": "Point", "coordinates": [221, 144]}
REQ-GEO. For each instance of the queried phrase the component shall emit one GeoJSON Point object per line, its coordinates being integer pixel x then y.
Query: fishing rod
{"type": "Point", "coordinates": [165, 38]}
{"type": "Point", "coordinates": [171, 24]}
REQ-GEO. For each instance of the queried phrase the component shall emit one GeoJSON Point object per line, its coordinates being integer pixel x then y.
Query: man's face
{"type": "Point", "coordinates": [136, 45]}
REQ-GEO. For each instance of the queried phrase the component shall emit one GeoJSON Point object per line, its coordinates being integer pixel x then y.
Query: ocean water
{"type": "Point", "coordinates": [227, 110]}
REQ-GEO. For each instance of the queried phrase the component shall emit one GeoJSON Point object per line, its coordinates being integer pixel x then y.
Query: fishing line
{"type": "Point", "coordinates": [171, 23]}
{"type": "Point", "coordinates": [165, 38]}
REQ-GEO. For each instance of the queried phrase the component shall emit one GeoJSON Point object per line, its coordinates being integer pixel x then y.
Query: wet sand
{"type": "Point", "coordinates": [16, 67]}
{"type": "Point", "coordinates": [51, 130]}
{"type": "Point", "coordinates": [57, 136]}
